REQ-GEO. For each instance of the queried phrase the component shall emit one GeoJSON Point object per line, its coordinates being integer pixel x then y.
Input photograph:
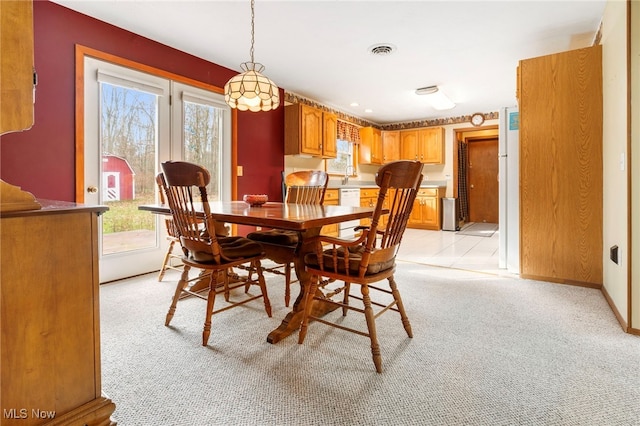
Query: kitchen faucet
{"type": "Point", "coordinates": [347, 172]}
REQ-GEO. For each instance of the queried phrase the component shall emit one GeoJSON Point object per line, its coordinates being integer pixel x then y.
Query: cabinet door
{"type": "Point", "coordinates": [331, 198]}
{"type": "Point", "coordinates": [431, 142]}
{"type": "Point", "coordinates": [370, 146]}
{"type": "Point", "coordinates": [390, 146]}
{"type": "Point", "coordinates": [415, 218]}
{"type": "Point", "coordinates": [311, 142]}
{"type": "Point", "coordinates": [430, 212]}
{"type": "Point", "coordinates": [329, 135]}
{"type": "Point", "coordinates": [16, 66]}
{"type": "Point", "coordinates": [409, 145]}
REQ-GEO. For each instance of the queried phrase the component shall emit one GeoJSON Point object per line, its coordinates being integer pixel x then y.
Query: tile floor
{"type": "Point", "coordinates": [451, 249]}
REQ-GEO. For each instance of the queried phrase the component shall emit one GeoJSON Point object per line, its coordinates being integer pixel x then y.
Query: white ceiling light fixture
{"type": "Point", "coordinates": [436, 98]}
{"type": "Point", "coordinates": [250, 90]}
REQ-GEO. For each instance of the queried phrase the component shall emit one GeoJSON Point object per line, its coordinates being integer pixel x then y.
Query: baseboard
{"type": "Point", "coordinates": [623, 323]}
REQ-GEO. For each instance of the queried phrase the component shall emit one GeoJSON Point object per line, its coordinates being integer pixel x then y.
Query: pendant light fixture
{"type": "Point", "coordinates": [250, 90]}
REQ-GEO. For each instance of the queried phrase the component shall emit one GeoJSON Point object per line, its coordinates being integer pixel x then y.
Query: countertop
{"type": "Point", "coordinates": [336, 184]}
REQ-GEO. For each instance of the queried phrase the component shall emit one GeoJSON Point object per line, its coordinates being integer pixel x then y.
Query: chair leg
{"type": "Point", "coordinates": [182, 283]}
{"type": "Point", "coordinates": [263, 286]}
{"type": "Point", "coordinates": [345, 298]}
{"type": "Point", "coordinates": [211, 298]}
{"type": "Point", "coordinates": [287, 284]}
{"type": "Point", "coordinates": [163, 269]}
{"type": "Point", "coordinates": [312, 286]}
{"type": "Point", "coordinates": [398, 299]}
{"type": "Point", "coordinates": [371, 326]}
{"type": "Point", "coordinates": [249, 275]}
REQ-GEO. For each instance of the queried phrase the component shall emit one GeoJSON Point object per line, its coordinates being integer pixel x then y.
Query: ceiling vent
{"type": "Point", "coordinates": [382, 49]}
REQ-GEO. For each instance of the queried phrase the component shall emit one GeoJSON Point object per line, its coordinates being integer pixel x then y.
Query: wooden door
{"type": "Point", "coordinates": [483, 180]}
{"type": "Point", "coordinates": [560, 99]}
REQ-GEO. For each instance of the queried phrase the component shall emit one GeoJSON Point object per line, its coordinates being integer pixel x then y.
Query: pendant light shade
{"type": "Point", "coordinates": [250, 90]}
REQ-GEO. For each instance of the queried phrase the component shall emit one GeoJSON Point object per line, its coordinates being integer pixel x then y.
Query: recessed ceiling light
{"type": "Point", "coordinates": [382, 49]}
{"type": "Point", "coordinates": [354, 104]}
{"type": "Point", "coordinates": [368, 110]}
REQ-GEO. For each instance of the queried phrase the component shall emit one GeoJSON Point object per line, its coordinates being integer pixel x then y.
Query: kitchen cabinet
{"type": "Point", "coordinates": [329, 135]}
{"type": "Point", "coordinates": [369, 198]}
{"type": "Point", "coordinates": [425, 145]}
{"type": "Point", "coordinates": [390, 146]}
{"type": "Point", "coordinates": [309, 131]}
{"type": "Point", "coordinates": [16, 66]}
{"type": "Point", "coordinates": [426, 212]}
{"type": "Point", "coordinates": [379, 147]}
{"type": "Point", "coordinates": [331, 198]}
{"type": "Point", "coordinates": [370, 146]}
{"type": "Point", "coordinates": [50, 334]}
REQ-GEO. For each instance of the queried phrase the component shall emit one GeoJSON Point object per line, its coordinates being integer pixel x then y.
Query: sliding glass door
{"type": "Point", "coordinates": [133, 122]}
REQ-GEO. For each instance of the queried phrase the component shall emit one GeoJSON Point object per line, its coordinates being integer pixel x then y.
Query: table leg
{"type": "Point", "coordinates": [291, 323]}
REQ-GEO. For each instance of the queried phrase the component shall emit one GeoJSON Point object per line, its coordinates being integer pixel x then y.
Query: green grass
{"type": "Point", "coordinates": [124, 215]}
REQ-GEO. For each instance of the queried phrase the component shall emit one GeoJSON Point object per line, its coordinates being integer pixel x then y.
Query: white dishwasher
{"type": "Point", "coordinates": [349, 197]}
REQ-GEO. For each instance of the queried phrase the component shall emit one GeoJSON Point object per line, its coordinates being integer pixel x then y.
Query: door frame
{"type": "Point", "coordinates": [80, 53]}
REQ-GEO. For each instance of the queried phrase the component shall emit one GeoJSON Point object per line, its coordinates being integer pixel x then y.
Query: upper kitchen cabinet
{"type": "Point", "coordinates": [379, 147]}
{"type": "Point", "coordinates": [370, 146]}
{"type": "Point", "coordinates": [425, 145]}
{"type": "Point", "coordinates": [329, 135]}
{"type": "Point", "coordinates": [307, 130]}
{"type": "Point", "coordinates": [16, 66]}
{"type": "Point", "coordinates": [390, 146]}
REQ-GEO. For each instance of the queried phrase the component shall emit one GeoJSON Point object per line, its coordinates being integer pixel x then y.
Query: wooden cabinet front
{"type": "Point", "coordinates": [329, 135]}
{"type": "Point", "coordinates": [50, 359]}
{"type": "Point", "coordinates": [331, 198]}
{"type": "Point", "coordinates": [425, 145]}
{"type": "Point", "coordinates": [390, 146]}
{"type": "Point", "coordinates": [302, 130]}
{"type": "Point", "coordinates": [426, 212]}
{"type": "Point", "coordinates": [370, 146]}
{"type": "Point", "coordinates": [16, 66]}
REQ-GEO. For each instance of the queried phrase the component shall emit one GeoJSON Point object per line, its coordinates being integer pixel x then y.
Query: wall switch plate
{"type": "Point", "coordinates": [613, 254]}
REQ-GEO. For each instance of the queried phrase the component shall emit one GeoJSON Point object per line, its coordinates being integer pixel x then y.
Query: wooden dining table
{"type": "Point", "coordinates": [307, 220]}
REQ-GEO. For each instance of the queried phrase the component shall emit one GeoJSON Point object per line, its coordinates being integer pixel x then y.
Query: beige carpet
{"type": "Point", "coordinates": [487, 350]}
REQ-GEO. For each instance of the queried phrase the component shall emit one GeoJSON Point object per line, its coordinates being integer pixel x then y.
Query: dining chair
{"type": "Point", "coordinates": [301, 187]}
{"type": "Point", "coordinates": [222, 230]}
{"type": "Point", "coordinates": [365, 261]}
{"type": "Point", "coordinates": [184, 185]}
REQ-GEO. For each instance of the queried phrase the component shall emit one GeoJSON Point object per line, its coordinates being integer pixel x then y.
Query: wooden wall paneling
{"type": "Point", "coordinates": [561, 167]}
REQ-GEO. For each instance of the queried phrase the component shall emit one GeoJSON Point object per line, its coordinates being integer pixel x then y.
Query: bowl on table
{"type": "Point", "coordinates": [255, 199]}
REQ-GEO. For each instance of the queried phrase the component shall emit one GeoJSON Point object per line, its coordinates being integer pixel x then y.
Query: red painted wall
{"type": "Point", "coordinates": [42, 160]}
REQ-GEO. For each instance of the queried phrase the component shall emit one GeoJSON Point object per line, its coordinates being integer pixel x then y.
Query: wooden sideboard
{"type": "Point", "coordinates": [50, 317]}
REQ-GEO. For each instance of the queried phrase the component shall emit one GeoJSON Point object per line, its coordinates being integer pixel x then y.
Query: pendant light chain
{"type": "Point", "coordinates": [250, 90]}
{"type": "Point", "coordinates": [252, 31]}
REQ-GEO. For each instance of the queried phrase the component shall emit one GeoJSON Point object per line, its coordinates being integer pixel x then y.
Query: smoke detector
{"type": "Point", "coordinates": [382, 49]}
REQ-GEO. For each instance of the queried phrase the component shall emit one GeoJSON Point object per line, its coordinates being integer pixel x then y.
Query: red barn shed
{"type": "Point", "coordinates": [118, 179]}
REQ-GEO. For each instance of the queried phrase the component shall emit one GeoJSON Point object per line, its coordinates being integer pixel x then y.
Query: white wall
{"type": "Point", "coordinates": [615, 202]}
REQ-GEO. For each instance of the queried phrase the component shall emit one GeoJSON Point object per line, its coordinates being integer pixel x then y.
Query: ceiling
{"type": "Point", "coordinates": [321, 49]}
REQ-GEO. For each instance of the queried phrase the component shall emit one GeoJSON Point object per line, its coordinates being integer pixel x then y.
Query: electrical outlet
{"type": "Point", "coordinates": [613, 254]}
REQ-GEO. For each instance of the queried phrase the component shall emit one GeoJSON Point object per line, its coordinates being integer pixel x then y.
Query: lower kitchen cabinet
{"type": "Point", "coordinates": [426, 213]}
{"type": "Point", "coordinates": [331, 198]}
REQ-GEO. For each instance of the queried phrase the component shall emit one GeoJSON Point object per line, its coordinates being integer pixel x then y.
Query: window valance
{"type": "Point", "coordinates": [348, 132]}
